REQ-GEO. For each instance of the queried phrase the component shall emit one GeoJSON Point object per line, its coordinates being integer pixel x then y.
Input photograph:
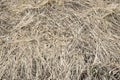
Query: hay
{"type": "Point", "coordinates": [59, 39]}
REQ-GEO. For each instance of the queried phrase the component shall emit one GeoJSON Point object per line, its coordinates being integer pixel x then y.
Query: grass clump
{"type": "Point", "coordinates": [59, 40]}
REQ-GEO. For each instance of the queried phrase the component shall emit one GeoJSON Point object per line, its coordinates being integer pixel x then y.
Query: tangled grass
{"type": "Point", "coordinates": [59, 39]}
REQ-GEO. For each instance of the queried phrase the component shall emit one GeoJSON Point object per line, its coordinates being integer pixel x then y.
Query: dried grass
{"type": "Point", "coordinates": [59, 39]}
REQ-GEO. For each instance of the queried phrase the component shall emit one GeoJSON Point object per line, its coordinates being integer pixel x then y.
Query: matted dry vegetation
{"type": "Point", "coordinates": [59, 39]}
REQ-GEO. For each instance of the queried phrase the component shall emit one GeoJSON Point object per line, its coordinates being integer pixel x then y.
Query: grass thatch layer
{"type": "Point", "coordinates": [59, 39]}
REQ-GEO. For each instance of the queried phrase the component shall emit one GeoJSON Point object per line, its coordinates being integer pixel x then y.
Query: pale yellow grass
{"type": "Point", "coordinates": [59, 39]}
